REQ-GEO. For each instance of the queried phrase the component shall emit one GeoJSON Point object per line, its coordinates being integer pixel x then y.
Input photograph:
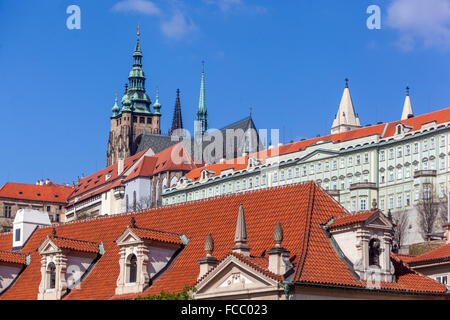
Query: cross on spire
{"type": "Point", "coordinates": [138, 30]}
{"type": "Point", "coordinates": [346, 82]}
{"type": "Point", "coordinates": [407, 90]}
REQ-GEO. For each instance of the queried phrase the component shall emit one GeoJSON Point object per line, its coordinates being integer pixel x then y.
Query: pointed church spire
{"type": "Point", "coordinates": [346, 118]}
{"type": "Point", "coordinates": [202, 112]}
{"type": "Point", "coordinates": [116, 108]}
{"type": "Point", "coordinates": [177, 122]}
{"type": "Point", "coordinates": [157, 105]}
{"type": "Point", "coordinates": [407, 107]}
{"type": "Point", "coordinates": [240, 236]}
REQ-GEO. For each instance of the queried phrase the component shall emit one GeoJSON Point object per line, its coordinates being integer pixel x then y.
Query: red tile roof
{"type": "Point", "coordinates": [156, 235]}
{"type": "Point", "coordinates": [76, 245]}
{"type": "Point", "coordinates": [302, 209]}
{"type": "Point", "coordinates": [351, 219]}
{"type": "Point", "coordinates": [11, 257]}
{"type": "Point", "coordinates": [46, 193]}
{"type": "Point", "coordinates": [416, 123]}
{"type": "Point", "coordinates": [441, 254]}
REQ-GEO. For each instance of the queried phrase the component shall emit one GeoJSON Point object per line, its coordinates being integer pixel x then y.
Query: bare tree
{"type": "Point", "coordinates": [400, 221]}
{"type": "Point", "coordinates": [428, 212]}
{"type": "Point", "coordinates": [144, 202]}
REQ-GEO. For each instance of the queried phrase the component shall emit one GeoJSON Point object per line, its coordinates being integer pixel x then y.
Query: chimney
{"type": "Point", "coordinates": [25, 223]}
{"type": "Point", "coordinates": [240, 237]}
{"type": "Point", "coordinates": [208, 262]}
{"type": "Point", "coordinates": [119, 167]}
{"type": "Point", "coordinates": [278, 256]}
{"type": "Point", "coordinates": [37, 182]}
{"type": "Point", "coordinates": [47, 181]}
{"type": "Point", "coordinates": [41, 183]}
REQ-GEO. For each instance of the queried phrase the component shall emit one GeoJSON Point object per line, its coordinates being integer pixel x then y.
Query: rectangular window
{"type": "Point", "coordinates": [407, 172]}
{"type": "Point", "coordinates": [350, 161]}
{"type": "Point", "coordinates": [282, 175]}
{"type": "Point", "coordinates": [342, 185]}
{"type": "Point", "coordinates": [366, 158]}
{"type": "Point", "coordinates": [17, 234]}
{"type": "Point", "coordinates": [391, 202]}
{"type": "Point", "coordinates": [416, 147]}
{"type": "Point", "coordinates": [289, 174]}
{"type": "Point", "coordinates": [353, 205]}
{"type": "Point", "coordinates": [407, 200]}
{"type": "Point", "coordinates": [425, 145]}
{"type": "Point", "coordinates": [297, 172]}
{"type": "Point", "coordinates": [399, 174]}
{"type": "Point", "coordinates": [311, 169]}
{"type": "Point", "coordinates": [382, 155]}
{"type": "Point", "coordinates": [342, 163]}
{"type": "Point", "coordinates": [399, 152]}
{"type": "Point", "coordinates": [442, 164]}
{"type": "Point", "coordinates": [442, 141]}
{"type": "Point", "coordinates": [334, 164]}
{"type": "Point", "coordinates": [57, 218]}
{"type": "Point", "coordinates": [319, 167]}
{"type": "Point", "coordinates": [358, 160]}
{"type": "Point", "coordinates": [432, 143]}
{"type": "Point", "coordinates": [238, 186]}
{"type": "Point", "coordinates": [425, 165]}
{"type": "Point", "coordinates": [304, 171]}
{"type": "Point", "coordinates": [391, 175]}
{"type": "Point", "coordinates": [256, 182]}
{"type": "Point", "coordinates": [327, 166]}
{"type": "Point", "coordinates": [399, 201]}
{"type": "Point", "coordinates": [382, 177]}
{"type": "Point", "coordinates": [442, 279]}
{"type": "Point", "coordinates": [363, 204]}
{"type": "Point", "coordinates": [244, 185]}
{"type": "Point", "coordinates": [366, 178]}
{"type": "Point", "coordinates": [263, 180]}
{"type": "Point", "coordinates": [49, 208]}
{"type": "Point", "coordinates": [275, 177]}
{"type": "Point", "coordinates": [416, 194]}
{"type": "Point", "coordinates": [382, 204]}
{"type": "Point", "coordinates": [391, 154]}
{"type": "Point", "coordinates": [7, 211]}
{"type": "Point", "coordinates": [407, 150]}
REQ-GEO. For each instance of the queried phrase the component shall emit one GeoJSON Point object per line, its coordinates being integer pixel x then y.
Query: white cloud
{"type": "Point", "coordinates": [231, 5]}
{"type": "Point", "coordinates": [140, 6]}
{"type": "Point", "coordinates": [178, 26]}
{"type": "Point", "coordinates": [420, 21]}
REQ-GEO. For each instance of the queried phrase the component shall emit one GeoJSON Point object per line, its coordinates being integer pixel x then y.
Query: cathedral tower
{"type": "Point", "coordinates": [201, 123]}
{"type": "Point", "coordinates": [135, 118]}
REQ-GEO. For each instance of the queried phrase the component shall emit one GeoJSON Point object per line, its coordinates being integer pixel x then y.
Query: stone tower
{"type": "Point", "coordinates": [346, 118]}
{"type": "Point", "coordinates": [135, 118]}
{"type": "Point", "coordinates": [177, 122]}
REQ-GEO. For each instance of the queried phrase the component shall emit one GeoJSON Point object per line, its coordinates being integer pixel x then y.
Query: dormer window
{"type": "Point", "coordinates": [143, 254]}
{"type": "Point", "coordinates": [365, 238]}
{"type": "Point", "coordinates": [59, 255]}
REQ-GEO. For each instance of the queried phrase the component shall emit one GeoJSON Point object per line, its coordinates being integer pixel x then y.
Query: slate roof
{"type": "Point", "coordinates": [302, 209]}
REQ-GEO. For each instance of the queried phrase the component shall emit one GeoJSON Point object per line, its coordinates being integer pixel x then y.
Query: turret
{"type": "Point", "coordinates": [346, 119]}
{"type": "Point", "coordinates": [407, 107]}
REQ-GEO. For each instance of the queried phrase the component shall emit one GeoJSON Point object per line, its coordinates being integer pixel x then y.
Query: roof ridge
{"type": "Point", "coordinates": [154, 230]}
{"type": "Point", "coordinates": [79, 240]}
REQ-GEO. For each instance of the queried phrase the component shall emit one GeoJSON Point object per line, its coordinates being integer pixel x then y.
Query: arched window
{"type": "Point", "coordinates": [51, 276]}
{"type": "Point", "coordinates": [374, 252]}
{"type": "Point", "coordinates": [131, 269]}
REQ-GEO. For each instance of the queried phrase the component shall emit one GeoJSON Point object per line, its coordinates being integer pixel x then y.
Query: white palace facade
{"type": "Point", "coordinates": [390, 166]}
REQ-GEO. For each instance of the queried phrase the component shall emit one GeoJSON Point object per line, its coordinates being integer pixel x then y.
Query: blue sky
{"type": "Point", "coordinates": [287, 59]}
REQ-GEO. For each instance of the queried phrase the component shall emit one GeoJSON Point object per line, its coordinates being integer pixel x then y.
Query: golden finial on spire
{"type": "Point", "coordinates": [138, 30]}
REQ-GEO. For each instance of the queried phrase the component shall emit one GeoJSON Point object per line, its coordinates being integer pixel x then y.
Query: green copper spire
{"type": "Point", "coordinates": [157, 105]}
{"type": "Point", "coordinates": [140, 101]}
{"type": "Point", "coordinates": [116, 108]}
{"type": "Point", "coordinates": [202, 112]}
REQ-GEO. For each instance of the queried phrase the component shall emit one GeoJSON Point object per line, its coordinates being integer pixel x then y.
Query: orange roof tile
{"type": "Point", "coordinates": [76, 245]}
{"type": "Point", "coordinates": [156, 235]}
{"type": "Point", "coordinates": [351, 219]}
{"type": "Point", "coordinates": [12, 257]}
{"type": "Point", "coordinates": [46, 193]}
{"type": "Point", "coordinates": [441, 254]}
{"type": "Point", "coordinates": [302, 209]}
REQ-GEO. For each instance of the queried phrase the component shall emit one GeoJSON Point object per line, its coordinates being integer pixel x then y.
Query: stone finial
{"type": "Point", "coordinates": [241, 229]}
{"type": "Point", "coordinates": [209, 245]}
{"type": "Point", "coordinates": [133, 222]}
{"type": "Point", "coordinates": [374, 204]}
{"type": "Point", "coordinates": [240, 237]}
{"type": "Point", "coordinates": [278, 235]}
